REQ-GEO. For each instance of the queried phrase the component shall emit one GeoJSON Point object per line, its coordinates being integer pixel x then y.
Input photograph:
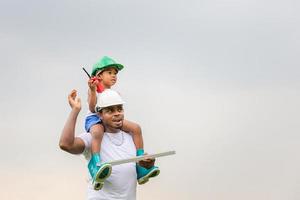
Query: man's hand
{"type": "Point", "coordinates": [74, 102]}
{"type": "Point", "coordinates": [147, 163]}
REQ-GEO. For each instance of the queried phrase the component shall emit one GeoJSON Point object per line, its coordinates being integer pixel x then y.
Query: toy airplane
{"type": "Point", "coordinates": [139, 158]}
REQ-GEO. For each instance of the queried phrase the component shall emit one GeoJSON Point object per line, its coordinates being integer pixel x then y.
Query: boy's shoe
{"type": "Point", "coordinates": [104, 171]}
{"type": "Point", "coordinates": [144, 174]}
{"type": "Point", "coordinates": [98, 173]}
{"type": "Point", "coordinates": [98, 185]}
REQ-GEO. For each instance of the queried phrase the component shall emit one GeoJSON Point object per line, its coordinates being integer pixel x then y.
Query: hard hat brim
{"type": "Point", "coordinates": [98, 108]}
{"type": "Point", "coordinates": [95, 71]}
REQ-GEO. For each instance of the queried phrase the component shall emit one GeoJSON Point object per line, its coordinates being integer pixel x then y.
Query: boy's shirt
{"type": "Point", "coordinates": [122, 182]}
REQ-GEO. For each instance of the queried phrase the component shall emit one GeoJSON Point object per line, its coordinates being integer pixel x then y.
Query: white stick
{"type": "Point", "coordinates": [139, 158]}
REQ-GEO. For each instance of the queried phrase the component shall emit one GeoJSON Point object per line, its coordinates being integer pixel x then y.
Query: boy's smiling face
{"type": "Point", "coordinates": [108, 76]}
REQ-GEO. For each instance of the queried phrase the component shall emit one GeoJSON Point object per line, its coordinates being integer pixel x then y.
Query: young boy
{"type": "Point", "coordinates": [104, 76]}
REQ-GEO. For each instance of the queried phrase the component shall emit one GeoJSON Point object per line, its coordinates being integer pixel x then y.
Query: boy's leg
{"type": "Point", "coordinates": [135, 130]}
{"type": "Point", "coordinates": [97, 132]}
{"type": "Point", "coordinates": [99, 173]}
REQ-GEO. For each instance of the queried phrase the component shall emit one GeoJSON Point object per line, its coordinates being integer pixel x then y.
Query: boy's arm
{"type": "Point", "coordinates": [92, 95]}
{"type": "Point", "coordinates": [68, 142]}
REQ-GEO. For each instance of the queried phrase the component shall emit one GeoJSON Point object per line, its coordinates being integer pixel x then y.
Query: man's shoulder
{"type": "Point", "coordinates": [86, 137]}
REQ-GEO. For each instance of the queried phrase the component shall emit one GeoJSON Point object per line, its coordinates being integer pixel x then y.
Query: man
{"type": "Point", "coordinates": [116, 144]}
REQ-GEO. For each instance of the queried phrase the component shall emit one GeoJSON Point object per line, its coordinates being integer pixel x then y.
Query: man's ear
{"type": "Point", "coordinates": [96, 109]}
{"type": "Point", "coordinates": [100, 113]}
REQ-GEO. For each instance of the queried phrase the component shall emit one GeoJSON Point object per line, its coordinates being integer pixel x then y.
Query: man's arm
{"type": "Point", "coordinates": [68, 142]}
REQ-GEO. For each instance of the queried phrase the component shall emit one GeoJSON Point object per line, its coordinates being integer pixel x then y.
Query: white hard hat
{"type": "Point", "coordinates": [108, 98]}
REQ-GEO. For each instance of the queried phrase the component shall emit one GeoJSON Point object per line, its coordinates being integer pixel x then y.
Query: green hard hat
{"type": "Point", "coordinates": [104, 63]}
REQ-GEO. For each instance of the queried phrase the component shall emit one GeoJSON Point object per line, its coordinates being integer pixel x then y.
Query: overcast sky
{"type": "Point", "coordinates": [215, 80]}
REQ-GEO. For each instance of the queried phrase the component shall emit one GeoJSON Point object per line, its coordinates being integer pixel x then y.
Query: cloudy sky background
{"type": "Point", "coordinates": [217, 81]}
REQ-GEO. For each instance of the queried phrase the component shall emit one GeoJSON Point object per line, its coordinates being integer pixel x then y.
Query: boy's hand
{"type": "Point", "coordinates": [93, 82]}
{"type": "Point", "coordinates": [74, 102]}
{"type": "Point", "coordinates": [95, 85]}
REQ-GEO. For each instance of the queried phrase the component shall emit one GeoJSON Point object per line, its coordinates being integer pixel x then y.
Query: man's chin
{"type": "Point", "coordinates": [118, 125]}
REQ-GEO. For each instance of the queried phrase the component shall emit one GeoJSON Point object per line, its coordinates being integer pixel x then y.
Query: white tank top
{"type": "Point", "coordinates": [122, 182]}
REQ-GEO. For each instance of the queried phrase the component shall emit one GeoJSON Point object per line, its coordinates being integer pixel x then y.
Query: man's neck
{"type": "Point", "coordinates": [112, 130]}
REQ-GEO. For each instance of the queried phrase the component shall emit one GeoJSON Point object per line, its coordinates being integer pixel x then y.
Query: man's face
{"type": "Point", "coordinates": [108, 76]}
{"type": "Point", "coordinates": [112, 117]}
